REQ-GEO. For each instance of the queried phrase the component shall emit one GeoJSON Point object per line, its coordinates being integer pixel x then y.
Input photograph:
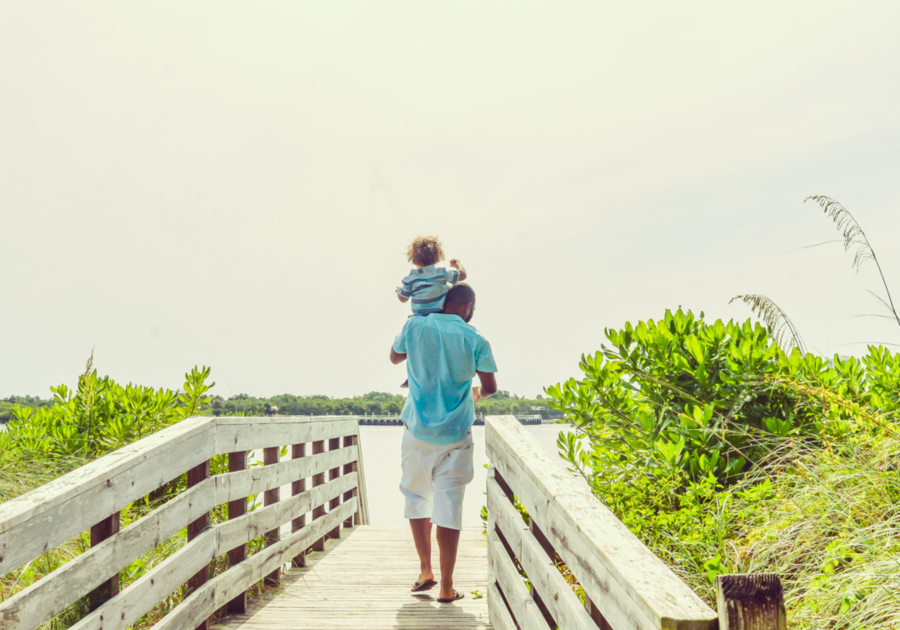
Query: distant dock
{"type": "Point", "coordinates": [395, 421]}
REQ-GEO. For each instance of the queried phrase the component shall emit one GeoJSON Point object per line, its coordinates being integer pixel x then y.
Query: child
{"type": "Point", "coordinates": [427, 285]}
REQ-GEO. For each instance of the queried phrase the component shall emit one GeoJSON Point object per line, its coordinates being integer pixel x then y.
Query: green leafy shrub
{"type": "Point", "coordinates": [724, 454]}
{"type": "Point", "coordinates": [708, 398]}
{"type": "Point", "coordinates": [96, 418]}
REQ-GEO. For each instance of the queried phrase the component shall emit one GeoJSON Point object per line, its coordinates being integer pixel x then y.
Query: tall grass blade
{"type": "Point", "coordinates": [854, 238]}
{"type": "Point", "coordinates": [780, 325]}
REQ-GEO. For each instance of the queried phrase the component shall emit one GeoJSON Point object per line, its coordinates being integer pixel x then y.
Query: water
{"type": "Point", "coordinates": [381, 458]}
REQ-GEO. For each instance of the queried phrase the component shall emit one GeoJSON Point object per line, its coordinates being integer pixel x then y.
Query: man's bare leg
{"type": "Point", "coordinates": [421, 531]}
{"type": "Point", "coordinates": [448, 543]}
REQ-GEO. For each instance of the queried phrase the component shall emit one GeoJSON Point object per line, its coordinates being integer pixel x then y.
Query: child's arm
{"type": "Point", "coordinates": [459, 267]}
{"type": "Point", "coordinates": [400, 297]}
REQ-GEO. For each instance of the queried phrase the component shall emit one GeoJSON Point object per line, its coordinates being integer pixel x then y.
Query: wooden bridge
{"type": "Point", "coordinates": [308, 540]}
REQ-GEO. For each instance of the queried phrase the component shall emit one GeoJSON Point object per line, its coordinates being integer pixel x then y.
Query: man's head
{"type": "Point", "coordinates": [460, 301]}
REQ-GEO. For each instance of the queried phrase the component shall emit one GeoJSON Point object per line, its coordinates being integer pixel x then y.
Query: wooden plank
{"type": "Point", "coordinates": [524, 609]}
{"type": "Point", "coordinates": [501, 618]}
{"type": "Point", "coordinates": [750, 602]}
{"type": "Point", "coordinates": [601, 552]}
{"type": "Point", "coordinates": [57, 511]}
{"type": "Point", "coordinates": [224, 587]}
{"type": "Point", "coordinates": [557, 595]}
{"type": "Point", "coordinates": [196, 476]}
{"type": "Point", "coordinates": [281, 553]}
{"type": "Point", "coordinates": [361, 582]}
{"type": "Point", "coordinates": [595, 614]}
{"type": "Point", "coordinates": [249, 526]}
{"type": "Point", "coordinates": [271, 497]}
{"type": "Point", "coordinates": [617, 606]}
{"type": "Point", "coordinates": [298, 453]}
{"type": "Point", "coordinates": [258, 479]}
{"type": "Point", "coordinates": [333, 445]}
{"type": "Point", "coordinates": [245, 434]}
{"type": "Point", "coordinates": [49, 596]}
{"type": "Point", "coordinates": [349, 468]}
{"type": "Point", "coordinates": [317, 480]}
{"type": "Point", "coordinates": [131, 603]}
{"type": "Point", "coordinates": [362, 514]}
{"type": "Point", "coordinates": [100, 532]}
{"type": "Point", "coordinates": [551, 554]}
{"type": "Point", "coordinates": [236, 508]}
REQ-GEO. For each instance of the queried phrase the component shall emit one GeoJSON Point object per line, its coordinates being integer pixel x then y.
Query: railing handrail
{"type": "Point", "coordinates": [46, 517]}
{"type": "Point", "coordinates": [626, 585]}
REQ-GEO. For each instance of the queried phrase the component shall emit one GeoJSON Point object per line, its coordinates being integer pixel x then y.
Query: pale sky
{"type": "Point", "coordinates": [234, 184]}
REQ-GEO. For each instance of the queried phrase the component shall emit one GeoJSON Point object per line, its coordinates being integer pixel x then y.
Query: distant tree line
{"type": "Point", "coordinates": [373, 403]}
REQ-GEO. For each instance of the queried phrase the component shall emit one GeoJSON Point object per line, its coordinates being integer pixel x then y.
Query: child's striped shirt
{"type": "Point", "coordinates": [427, 287]}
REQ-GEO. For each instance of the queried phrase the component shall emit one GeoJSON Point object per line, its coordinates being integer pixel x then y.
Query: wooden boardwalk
{"type": "Point", "coordinates": [362, 582]}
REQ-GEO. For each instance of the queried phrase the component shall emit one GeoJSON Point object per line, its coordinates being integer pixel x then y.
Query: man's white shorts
{"type": "Point", "coordinates": [434, 479]}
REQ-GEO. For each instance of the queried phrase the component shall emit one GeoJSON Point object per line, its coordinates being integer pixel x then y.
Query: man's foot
{"type": "Point", "coordinates": [427, 585]}
{"type": "Point", "coordinates": [451, 597]}
{"type": "Point", "coordinates": [425, 582]}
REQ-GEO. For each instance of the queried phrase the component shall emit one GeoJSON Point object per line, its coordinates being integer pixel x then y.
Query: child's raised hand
{"type": "Point", "coordinates": [454, 263]}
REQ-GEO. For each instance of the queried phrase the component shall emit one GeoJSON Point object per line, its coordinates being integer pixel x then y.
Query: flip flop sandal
{"type": "Point", "coordinates": [456, 596]}
{"type": "Point", "coordinates": [427, 585]}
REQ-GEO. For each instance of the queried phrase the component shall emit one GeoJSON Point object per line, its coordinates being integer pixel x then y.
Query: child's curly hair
{"type": "Point", "coordinates": [425, 251]}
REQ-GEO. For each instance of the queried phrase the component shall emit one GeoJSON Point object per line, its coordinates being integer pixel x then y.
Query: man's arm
{"type": "Point", "coordinates": [396, 357]}
{"type": "Point", "coordinates": [488, 386]}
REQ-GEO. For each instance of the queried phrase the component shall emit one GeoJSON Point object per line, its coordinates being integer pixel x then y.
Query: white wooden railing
{"type": "Point", "coordinates": [627, 586]}
{"type": "Point", "coordinates": [93, 496]}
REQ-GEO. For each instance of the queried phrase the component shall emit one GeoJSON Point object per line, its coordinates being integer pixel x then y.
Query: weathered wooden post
{"type": "Point", "coordinates": [333, 445]}
{"type": "Point", "coordinates": [349, 441]}
{"type": "Point", "coordinates": [551, 552]}
{"type": "Point", "coordinates": [595, 614]}
{"type": "Point", "coordinates": [270, 456]}
{"type": "Point", "coordinates": [194, 476]}
{"type": "Point", "coordinates": [318, 512]}
{"type": "Point", "coordinates": [238, 507]}
{"type": "Point", "coordinates": [751, 602]}
{"type": "Point", "coordinates": [100, 532]}
{"type": "Point", "coordinates": [298, 451]}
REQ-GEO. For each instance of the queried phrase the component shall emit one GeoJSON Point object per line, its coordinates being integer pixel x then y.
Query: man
{"type": "Point", "coordinates": [443, 354]}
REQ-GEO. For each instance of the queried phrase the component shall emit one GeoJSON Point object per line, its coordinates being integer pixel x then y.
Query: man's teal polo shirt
{"type": "Point", "coordinates": [443, 354]}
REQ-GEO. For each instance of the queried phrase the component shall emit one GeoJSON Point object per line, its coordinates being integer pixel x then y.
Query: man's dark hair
{"type": "Point", "coordinates": [459, 296]}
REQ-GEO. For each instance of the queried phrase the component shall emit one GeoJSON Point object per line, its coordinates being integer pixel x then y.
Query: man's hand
{"type": "Point", "coordinates": [488, 385]}
{"type": "Point", "coordinates": [476, 394]}
{"type": "Point", "coordinates": [396, 357]}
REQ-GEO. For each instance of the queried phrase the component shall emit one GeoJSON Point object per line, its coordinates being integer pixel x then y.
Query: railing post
{"type": "Point", "coordinates": [270, 456]}
{"type": "Point", "coordinates": [318, 480]}
{"type": "Point", "coordinates": [297, 487]}
{"type": "Point", "coordinates": [194, 476]}
{"type": "Point", "coordinates": [750, 602]}
{"type": "Point", "coordinates": [100, 532]}
{"type": "Point", "coordinates": [595, 614]}
{"type": "Point", "coordinates": [349, 440]}
{"type": "Point", "coordinates": [551, 552]}
{"type": "Point", "coordinates": [333, 445]}
{"type": "Point", "coordinates": [238, 507]}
